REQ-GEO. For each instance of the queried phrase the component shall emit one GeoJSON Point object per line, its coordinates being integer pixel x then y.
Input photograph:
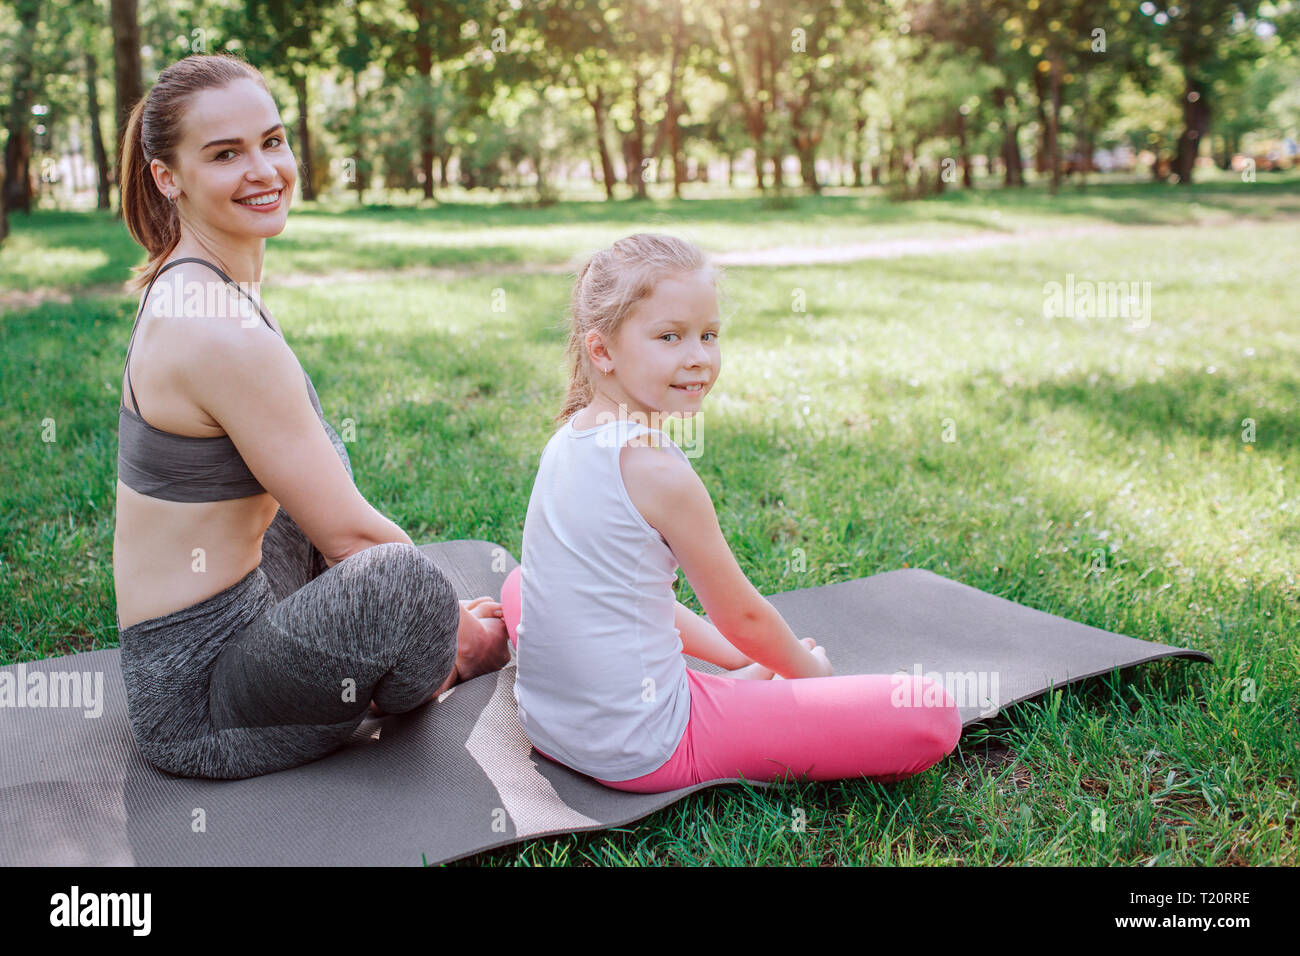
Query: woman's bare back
{"type": "Point", "coordinates": [169, 555]}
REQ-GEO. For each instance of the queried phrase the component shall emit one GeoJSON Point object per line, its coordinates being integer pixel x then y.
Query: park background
{"type": "Point", "coordinates": [892, 188]}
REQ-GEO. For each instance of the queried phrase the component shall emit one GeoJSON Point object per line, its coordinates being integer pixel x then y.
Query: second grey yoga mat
{"type": "Point", "coordinates": [459, 776]}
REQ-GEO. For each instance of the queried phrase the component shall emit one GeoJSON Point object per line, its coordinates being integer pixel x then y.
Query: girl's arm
{"type": "Point", "coordinates": [673, 501]}
{"type": "Point", "coordinates": [701, 639]}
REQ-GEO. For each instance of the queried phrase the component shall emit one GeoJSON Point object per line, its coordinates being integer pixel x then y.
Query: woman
{"type": "Point", "coordinates": [262, 602]}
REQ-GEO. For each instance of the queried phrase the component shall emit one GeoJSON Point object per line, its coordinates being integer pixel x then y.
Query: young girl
{"type": "Point", "coordinates": [616, 508]}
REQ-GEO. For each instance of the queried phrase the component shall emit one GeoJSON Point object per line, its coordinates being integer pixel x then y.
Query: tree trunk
{"type": "Point", "coordinates": [963, 149]}
{"type": "Point", "coordinates": [424, 66]}
{"type": "Point", "coordinates": [1196, 123]}
{"type": "Point", "coordinates": [807, 135]}
{"type": "Point", "coordinates": [807, 161]}
{"type": "Point", "coordinates": [543, 187]}
{"type": "Point", "coordinates": [606, 164]}
{"type": "Point", "coordinates": [1040, 106]}
{"type": "Point", "coordinates": [18, 147]}
{"type": "Point", "coordinates": [304, 135]}
{"type": "Point", "coordinates": [1224, 159]}
{"type": "Point", "coordinates": [673, 104]}
{"type": "Point", "coordinates": [360, 172]}
{"type": "Point", "coordinates": [859, 157]}
{"type": "Point", "coordinates": [104, 200]}
{"type": "Point", "coordinates": [746, 95]}
{"type": "Point", "coordinates": [1013, 165]}
{"type": "Point", "coordinates": [638, 157]}
{"type": "Point", "coordinates": [127, 73]}
{"type": "Point", "coordinates": [1084, 135]}
{"type": "Point", "coordinates": [1054, 152]}
{"type": "Point", "coordinates": [1230, 141]}
{"type": "Point", "coordinates": [675, 149]}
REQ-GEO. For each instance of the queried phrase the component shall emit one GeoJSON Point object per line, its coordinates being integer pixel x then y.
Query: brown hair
{"type": "Point", "coordinates": [607, 287]}
{"type": "Point", "coordinates": [154, 132]}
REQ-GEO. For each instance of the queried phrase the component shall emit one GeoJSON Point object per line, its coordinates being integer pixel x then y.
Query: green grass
{"type": "Point", "coordinates": [1096, 471]}
{"type": "Point", "coordinates": [83, 250]}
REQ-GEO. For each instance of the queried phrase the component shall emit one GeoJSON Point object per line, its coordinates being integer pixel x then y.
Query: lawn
{"type": "Point", "coordinates": [920, 412]}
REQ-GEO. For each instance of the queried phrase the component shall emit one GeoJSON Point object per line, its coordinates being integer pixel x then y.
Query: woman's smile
{"type": "Point", "coordinates": [263, 201]}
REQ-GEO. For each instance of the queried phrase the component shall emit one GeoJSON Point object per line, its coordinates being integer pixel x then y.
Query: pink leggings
{"type": "Point", "coordinates": [827, 728]}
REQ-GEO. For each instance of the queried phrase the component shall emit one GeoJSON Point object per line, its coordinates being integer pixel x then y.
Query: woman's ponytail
{"type": "Point", "coordinates": [150, 218]}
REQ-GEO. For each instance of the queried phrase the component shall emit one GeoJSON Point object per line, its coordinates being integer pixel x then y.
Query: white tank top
{"type": "Point", "coordinates": [601, 682]}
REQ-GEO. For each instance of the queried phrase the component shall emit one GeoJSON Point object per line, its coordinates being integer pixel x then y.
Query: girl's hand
{"type": "Point", "coordinates": [819, 653]}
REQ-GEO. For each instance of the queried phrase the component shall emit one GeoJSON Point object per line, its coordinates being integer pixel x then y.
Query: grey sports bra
{"type": "Point", "coordinates": [184, 467]}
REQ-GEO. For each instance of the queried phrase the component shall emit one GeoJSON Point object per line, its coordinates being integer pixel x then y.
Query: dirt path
{"type": "Point", "coordinates": [771, 256]}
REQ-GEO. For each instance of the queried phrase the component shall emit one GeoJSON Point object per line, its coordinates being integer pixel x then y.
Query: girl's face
{"type": "Point", "coordinates": [233, 150]}
{"type": "Point", "coordinates": [668, 341]}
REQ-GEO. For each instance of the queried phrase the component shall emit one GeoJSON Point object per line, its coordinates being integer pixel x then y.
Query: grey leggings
{"type": "Point", "coordinates": [279, 668]}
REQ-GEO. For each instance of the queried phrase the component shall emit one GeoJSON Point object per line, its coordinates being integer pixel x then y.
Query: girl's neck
{"type": "Point", "coordinates": [602, 408]}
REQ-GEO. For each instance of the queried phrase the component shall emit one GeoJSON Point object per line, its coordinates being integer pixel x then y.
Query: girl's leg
{"type": "Point", "coordinates": [882, 726]}
{"type": "Point", "coordinates": [512, 604]}
{"type": "Point", "coordinates": [294, 684]}
{"type": "Point", "coordinates": [830, 728]}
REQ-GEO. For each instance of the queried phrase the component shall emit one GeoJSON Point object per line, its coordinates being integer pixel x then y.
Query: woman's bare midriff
{"type": "Point", "coordinates": [169, 555]}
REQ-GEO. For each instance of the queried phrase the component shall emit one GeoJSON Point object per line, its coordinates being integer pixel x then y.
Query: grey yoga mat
{"type": "Point", "coordinates": [459, 776]}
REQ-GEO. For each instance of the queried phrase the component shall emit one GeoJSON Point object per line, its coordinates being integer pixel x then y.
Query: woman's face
{"type": "Point", "coordinates": [233, 149]}
{"type": "Point", "coordinates": [670, 339]}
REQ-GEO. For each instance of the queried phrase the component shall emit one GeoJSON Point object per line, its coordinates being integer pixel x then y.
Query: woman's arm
{"type": "Point", "coordinates": [252, 384]}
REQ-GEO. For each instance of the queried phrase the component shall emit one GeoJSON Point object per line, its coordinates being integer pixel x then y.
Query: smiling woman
{"type": "Point", "coordinates": [263, 604]}
{"type": "Point", "coordinates": [230, 175]}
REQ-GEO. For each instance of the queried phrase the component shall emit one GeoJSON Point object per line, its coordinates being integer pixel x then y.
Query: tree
{"type": "Point", "coordinates": [1210, 40]}
{"type": "Point", "coordinates": [126, 71]}
{"type": "Point", "coordinates": [18, 145]}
